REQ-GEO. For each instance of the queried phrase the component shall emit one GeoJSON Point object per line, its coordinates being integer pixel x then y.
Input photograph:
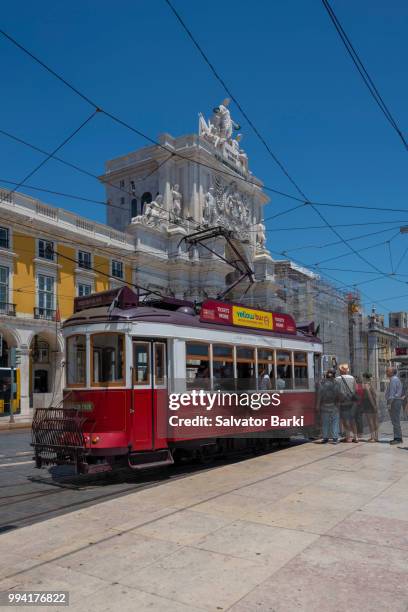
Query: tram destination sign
{"type": "Point", "coordinates": [213, 311]}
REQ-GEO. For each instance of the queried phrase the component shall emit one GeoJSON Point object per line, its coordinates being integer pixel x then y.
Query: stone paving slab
{"type": "Point", "coordinates": [311, 527]}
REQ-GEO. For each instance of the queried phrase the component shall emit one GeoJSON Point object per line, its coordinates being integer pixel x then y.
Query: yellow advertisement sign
{"type": "Point", "coordinates": [247, 317]}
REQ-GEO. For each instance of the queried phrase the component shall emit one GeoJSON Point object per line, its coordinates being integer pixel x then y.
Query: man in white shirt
{"type": "Point", "coordinates": [347, 389]}
{"type": "Point", "coordinates": [394, 394]}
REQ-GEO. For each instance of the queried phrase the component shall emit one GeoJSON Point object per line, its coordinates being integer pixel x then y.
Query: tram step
{"type": "Point", "coordinates": [150, 459]}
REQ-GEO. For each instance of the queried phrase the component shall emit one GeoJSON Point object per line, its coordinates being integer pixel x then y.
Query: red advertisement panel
{"type": "Point", "coordinates": [216, 312]}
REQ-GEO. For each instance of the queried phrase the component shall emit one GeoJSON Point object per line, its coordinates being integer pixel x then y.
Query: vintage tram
{"type": "Point", "coordinates": [125, 358]}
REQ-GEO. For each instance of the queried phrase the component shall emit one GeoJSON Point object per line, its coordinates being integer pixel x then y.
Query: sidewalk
{"type": "Point", "coordinates": [312, 527]}
{"type": "Point", "coordinates": [20, 422]}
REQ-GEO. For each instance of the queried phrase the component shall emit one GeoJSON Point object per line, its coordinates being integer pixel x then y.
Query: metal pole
{"type": "Point", "coordinates": [11, 420]}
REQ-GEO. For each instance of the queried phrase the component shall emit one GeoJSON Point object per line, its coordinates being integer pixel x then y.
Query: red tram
{"type": "Point", "coordinates": [126, 359]}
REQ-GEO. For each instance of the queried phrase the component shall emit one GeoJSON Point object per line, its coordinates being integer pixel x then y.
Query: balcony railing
{"type": "Point", "coordinates": [44, 313]}
{"type": "Point", "coordinates": [7, 309]}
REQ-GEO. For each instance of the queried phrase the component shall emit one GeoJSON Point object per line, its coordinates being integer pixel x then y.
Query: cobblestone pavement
{"type": "Point", "coordinates": [310, 527]}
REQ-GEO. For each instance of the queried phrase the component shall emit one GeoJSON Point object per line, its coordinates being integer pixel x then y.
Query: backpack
{"type": "Point", "coordinates": [328, 392]}
{"type": "Point", "coordinates": [347, 396]}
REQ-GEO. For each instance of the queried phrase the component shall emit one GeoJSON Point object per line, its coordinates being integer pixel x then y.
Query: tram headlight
{"type": "Point", "coordinates": [95, 440]}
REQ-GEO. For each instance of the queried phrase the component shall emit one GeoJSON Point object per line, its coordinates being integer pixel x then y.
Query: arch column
{"type": "Point", "coordinates": [24, 367]}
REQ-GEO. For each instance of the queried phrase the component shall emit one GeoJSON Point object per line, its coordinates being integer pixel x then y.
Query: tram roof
{"type": "Point", "coordinates": [151, 314]}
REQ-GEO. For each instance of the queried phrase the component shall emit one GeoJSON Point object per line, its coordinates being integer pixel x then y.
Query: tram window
{"type": "Point", "coordinates": [197, 365]}
{"type": "Point", "coordinates": [159, 363]}
{"type": "Point", "coordinates": [284, 370]}
{"type": "Point", "coordinates": [141, 363]}
{"type": "Point", "coordinates": [301, 373]}
{"type": "Point", "coordinates": [223, 366]}
{"type": "Point", "coordinates": [107, 359]}
{"type": "Point", "coordinates": [266, 360]}
{"type": "Point", "coordinates": [76, 360]}
{"type": "Point", "coordinates": [245, 367]}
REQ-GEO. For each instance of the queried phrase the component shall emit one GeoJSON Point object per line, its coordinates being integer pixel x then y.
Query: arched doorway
{"type": "Point", "coordinates": [46, 371]}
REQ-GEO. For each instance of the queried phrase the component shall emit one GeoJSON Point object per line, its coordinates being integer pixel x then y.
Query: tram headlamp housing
{"type": "Point", "coordinates": [95, 439]}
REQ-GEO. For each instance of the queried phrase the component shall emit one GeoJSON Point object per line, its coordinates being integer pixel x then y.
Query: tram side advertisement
{"type": "Point", "coordinates": [213, 311]}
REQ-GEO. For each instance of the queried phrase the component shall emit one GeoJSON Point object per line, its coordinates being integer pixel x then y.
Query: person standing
{"type": "Point", "coordinates": [327, 403]}
{"type": "Point", "coordinates": [369, 407]}
{"type": "Point", "coordinates": [348, 397]}
{"type": "Point", "coordinates": [394, 398]}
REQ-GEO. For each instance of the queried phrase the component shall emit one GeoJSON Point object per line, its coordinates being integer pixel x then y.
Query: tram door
{"type": "Point", "coordinates": [148, 404]}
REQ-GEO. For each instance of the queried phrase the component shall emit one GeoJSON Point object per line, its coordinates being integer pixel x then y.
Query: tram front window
{"type": "Point", "coordinates": [107, 359]}
{"type": "Point", "coordinates": [76, 361]}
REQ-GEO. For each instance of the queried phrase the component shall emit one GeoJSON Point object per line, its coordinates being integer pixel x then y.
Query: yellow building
{"type": "Point", "coordinates": [48, 256]}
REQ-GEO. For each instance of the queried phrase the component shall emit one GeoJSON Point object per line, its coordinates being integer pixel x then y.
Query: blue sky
{"type": "Point", "coordinates": [284, 63]}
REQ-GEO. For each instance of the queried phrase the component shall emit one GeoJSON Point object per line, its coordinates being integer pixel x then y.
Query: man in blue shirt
{"type": "Point", "coordinates": [394, 397]}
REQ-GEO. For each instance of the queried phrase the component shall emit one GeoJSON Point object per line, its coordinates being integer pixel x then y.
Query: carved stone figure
{"type": "Point", "coordinates": [154, 214]}
{"type": "Point", "coordinates": [222, 120]}
{"type": "Point", "coordinates": [177, 197]}
{"type": "Point", "coordinates": [260, 236]}
{"type": "Point", "coordinates": [209, 212]}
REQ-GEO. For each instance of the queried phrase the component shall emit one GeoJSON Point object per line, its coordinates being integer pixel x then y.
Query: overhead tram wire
{"type": "Point", "coordinates": [328, 244]}
{"type": "Point", "coordinates": [231, 95]}
{"type": "Point", "coordinates": [172, 153]}
{"type": "Point", "coordinates": [372, 246]}
{"type": "Point", "coordinates": [300, 191]}
{"type": "Point", "coordinates": [149, 139]}
{"type": "Point", "coordinates": [50, 155]}
{"type": "Point", "coordinates": [363, 72]}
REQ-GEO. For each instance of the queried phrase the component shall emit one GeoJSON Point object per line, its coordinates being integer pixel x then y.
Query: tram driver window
{"type": "Point", "coordinates": [197, 365]}
{"type": "Point", "coordinates": [107, 359]}
{"type": "Point", "coordinates": [283, 370]}
{"type": "Point", "coordinates": [76, 361]}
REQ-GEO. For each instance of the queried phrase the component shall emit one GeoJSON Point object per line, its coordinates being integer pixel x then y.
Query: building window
{"type": "Point", "coordinates": [122, 201]}
{"type": "Point", "coordinates": [121, 184]}
{"type": "Point", "coordinates": [46, 249]}
{"type": "Point", "coordinates": [4, 237]}
{"type": "Point", "coordinates": [132, 185]}
{"type": "Point", "coordinates": [40, 351]}
{"type": "Point", "coordinates": [45, 294]}
{"type": "Point", "coordinates": [84, 260]}
{"type": "Point", "coordinates": [146, 199]}
{"type": "Point", "coordinates": [84, 289]}
{"type": "Point", "coordinates": [133, 206]}
{"type": "Point", "coordinates": [117, 268]}
{"type": "Point", "coordinates": [4, 287]}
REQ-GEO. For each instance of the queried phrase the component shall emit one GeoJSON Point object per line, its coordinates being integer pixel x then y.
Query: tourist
{"type": "Point", "coordinates": [394, 395]}
{"type": "Point", "coordinates": [348, 398]}
{"type": "Point", "coordinates": [328, 403]}
{"type": "Point", "coordinates": [264, 379]}
{"type": "Point", "coordinates": [369, 407]}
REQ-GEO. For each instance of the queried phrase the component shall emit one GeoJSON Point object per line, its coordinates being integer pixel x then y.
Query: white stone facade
{"type": "Point", "coordinates": [161, 193]}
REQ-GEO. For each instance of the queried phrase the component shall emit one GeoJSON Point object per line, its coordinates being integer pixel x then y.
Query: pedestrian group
{"type": "Point", "coordinates": [344, 402]}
